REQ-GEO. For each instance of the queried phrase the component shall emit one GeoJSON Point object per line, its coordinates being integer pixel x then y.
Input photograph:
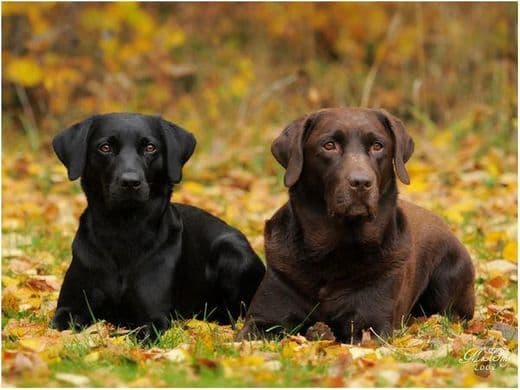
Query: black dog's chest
{"type": "Point", "coordinates": [119, 284]}
{"type": "Point", "coordinates": [117, 296]}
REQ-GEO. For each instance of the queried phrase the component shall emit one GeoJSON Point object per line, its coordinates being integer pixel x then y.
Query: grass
{"type": "Point", "coordinates": [38, 236]}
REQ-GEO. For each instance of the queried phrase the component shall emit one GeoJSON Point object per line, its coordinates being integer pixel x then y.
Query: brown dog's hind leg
{"type": "Point", "coordinates": [450, 289]}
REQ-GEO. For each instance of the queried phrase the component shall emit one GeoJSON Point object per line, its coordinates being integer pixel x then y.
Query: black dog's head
{"type": "Point", "coordinates": [123, 158]}
{"type": "Point", "coordinates": [345, 154]}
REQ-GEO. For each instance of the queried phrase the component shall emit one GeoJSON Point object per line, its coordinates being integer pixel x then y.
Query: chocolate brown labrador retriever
{"type": "Point", "coordinates": [344, 250]}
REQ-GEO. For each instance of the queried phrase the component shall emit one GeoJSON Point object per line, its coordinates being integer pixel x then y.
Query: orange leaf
{"type": "Point", "coordinates": [497, 282]}
{"type": "Point", "coordinates": [475, 327]}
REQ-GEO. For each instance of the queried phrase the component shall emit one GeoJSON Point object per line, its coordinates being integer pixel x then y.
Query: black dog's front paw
{"type": "Point", "coordinates": [66, 319]}
{"type": "Point", "coordinates": [151, 331]}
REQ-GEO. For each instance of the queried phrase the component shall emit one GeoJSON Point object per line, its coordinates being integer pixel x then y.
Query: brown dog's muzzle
{"type": "Point", "coordinates": [353, 192]}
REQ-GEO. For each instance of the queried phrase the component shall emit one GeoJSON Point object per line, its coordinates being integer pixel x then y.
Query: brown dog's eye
{"type": "Point", "coordinates": [377, 146]}
{"type": "Point", "coordinates": [150, 148]}
{"type": "Point", "coordinates": [105, 148]}
{"type": "Point", "coordinates": [329, 146]}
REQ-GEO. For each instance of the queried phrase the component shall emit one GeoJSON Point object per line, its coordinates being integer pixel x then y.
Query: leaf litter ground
{"type": "Point", "coordinates": [473, 188]}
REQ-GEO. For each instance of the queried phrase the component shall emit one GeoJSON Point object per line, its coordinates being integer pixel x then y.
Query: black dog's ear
{"type": "Point", "coordinates": [180, 145]}
{"type": "Point", "coordinates": [71, 147]}
{"type": "Point", "coordinates": [403, 144]}
{"type": "Point", "coordinates": [288, 147]}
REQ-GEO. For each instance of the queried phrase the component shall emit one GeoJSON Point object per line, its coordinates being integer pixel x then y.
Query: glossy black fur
{"type": "Point", "coordinates": [137, 259]}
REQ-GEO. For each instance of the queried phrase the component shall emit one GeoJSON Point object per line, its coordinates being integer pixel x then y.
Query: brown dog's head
{"type": "Point", "coordinates": [346, 155]}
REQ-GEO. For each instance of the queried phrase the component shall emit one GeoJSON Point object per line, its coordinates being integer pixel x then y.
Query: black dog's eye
{"type": "Point", "coordinates": [377, 146]}
{"type": "Point", "coordinates": [150, 148]}
{"type": "Point", "coordinates": [329, 146]}
{"type": "Point", "coordinates": [105, 148]}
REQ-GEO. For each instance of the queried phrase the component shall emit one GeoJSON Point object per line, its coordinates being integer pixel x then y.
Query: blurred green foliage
{"type": "Point", "coordinates": [229, 69]}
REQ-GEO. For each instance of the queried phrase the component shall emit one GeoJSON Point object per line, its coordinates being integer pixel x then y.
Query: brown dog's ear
{"type": "Point", "coordinates": [180, 145]}
{"type": "Point", "coordinates": [71, 147]}
{"type": "Point", "coordinates": [403, 145]}
{"type": "Point", "coordinates": [288, 148]}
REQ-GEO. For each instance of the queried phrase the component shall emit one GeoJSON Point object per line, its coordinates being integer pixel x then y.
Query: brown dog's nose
{"type": "Point", "coordinates": [360, 181]}
{"type": "Point", "coordinates": [130, 181]}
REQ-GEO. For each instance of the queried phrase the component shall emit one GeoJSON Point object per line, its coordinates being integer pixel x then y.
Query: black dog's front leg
{"type": "Point", "coordinates": [79, 300]}
{"type": "Point", "coordinates": [153, 296]}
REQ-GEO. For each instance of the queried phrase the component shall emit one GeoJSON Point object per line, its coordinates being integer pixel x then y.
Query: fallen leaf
{"type": "Point", "coordinates": [73, 379]}
{"type": "Point", "coordinates": [36, 344]}
{"type": "Point", "coordinates": [475, 326]}
{"type": "Point", "coordinates": [176, 355]}
{"type": "Point", "coordinates": [389, 377]}
{"type": "Point", "coordinates": [207, 363]}
{"type": "Point", "coordinates": [92, 357]}
{"type": "Point", "coordinates": [508, 332]}
{"type": "Point", "coordinates": [412, 368]}
{"type": "Point", "coordinates": [500, 267]}
{"type": "Point", "coordinates": [439, 353]}
{"type": "Point", "coordinates": [497, 282]}
{"type": "Point", "coordinates": [39, 285]}
{"type": "Point", "coordinates": [510, 251]}
{"type": "Point", "coordinates": [357, 352]}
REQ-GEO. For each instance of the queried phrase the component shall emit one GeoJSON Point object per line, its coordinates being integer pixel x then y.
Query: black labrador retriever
{"type": "Point", "coordinates": [137, 259]}
{"type": "Point", "coordinates": [344, 250]}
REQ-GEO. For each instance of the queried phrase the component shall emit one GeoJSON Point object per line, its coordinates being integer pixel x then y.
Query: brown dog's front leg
{"type": "Point", "coordinates": [276, 307]}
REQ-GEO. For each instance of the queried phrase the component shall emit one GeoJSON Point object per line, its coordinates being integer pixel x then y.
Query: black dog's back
{"type": "Point", "coordinates": [212, 248]}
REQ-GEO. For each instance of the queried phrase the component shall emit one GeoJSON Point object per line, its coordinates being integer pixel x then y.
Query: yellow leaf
{"type": "Point", "coordinates": [289, 349]}
{"type": "Point", "coordinates": [442, 138]}
{"type": "Point", "coordinates": [92, 357]}
{"type": "Point", "coordinates": [455, 213]}
{"type": "Point", "coordinates": [36, 344]}
{"type": "Point", "coordinates": [493, 163]}
{"type": "Point", "coordinates": [417, 185]}
{"type": "Point", "coordinates": [492, 237]}
{"type": "Point", "coordinates": [175, 39]}
{"type": "Point", "coordinates": [193, 188]}
{"type": "Point", "coordinates": [510, 251]}
{"type": "Point", "coordinates": [8, 281]}
{"type": "Point", "coordinates": [200, 325]}
{"type": "Point", "coordinates": [24, 71]}
{"type": "Point", "coordinates": [253, 360]}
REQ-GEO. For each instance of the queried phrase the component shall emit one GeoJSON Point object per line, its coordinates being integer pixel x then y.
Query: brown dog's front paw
{"type": "Point", "coordinates": [248, 332]}
{"type": "Point", "coordinates": [320, 331]}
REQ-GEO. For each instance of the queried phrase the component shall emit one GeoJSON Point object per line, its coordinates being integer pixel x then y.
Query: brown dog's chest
{"type": "Point", "coordinates": [348, 287]}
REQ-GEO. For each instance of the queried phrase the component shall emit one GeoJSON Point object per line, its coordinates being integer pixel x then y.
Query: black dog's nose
{"type": "Point", "coordinates": [359, 181]}
{"type": "Point", "coordinates": [130, 180]}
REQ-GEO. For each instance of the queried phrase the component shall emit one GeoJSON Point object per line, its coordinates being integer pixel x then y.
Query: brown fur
{"type": "Point", "coordinates": [349, 254]}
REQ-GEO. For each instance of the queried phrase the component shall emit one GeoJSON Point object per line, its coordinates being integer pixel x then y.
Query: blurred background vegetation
{"type": "Point", "coordinates": [238, 72]}
{"type": "Point", "coordinates": [235, 74]}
